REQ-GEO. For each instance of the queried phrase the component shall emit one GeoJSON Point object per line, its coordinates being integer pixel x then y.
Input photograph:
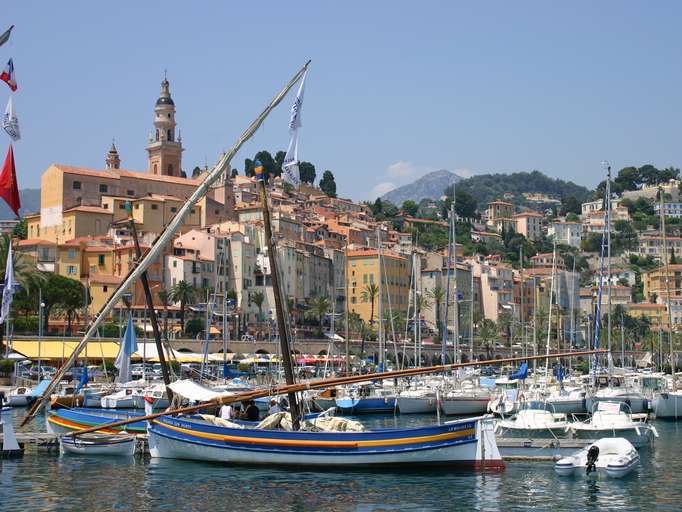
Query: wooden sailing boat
{"type": "Point", "coordinates": [276, 441]}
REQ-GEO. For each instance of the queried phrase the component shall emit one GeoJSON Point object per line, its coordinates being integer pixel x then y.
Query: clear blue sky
{"type": "Point", "coordinates": [395, 88]}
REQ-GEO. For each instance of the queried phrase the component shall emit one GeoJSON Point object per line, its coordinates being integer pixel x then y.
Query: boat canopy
{"type": "Point", "coordinates": [190, 390]}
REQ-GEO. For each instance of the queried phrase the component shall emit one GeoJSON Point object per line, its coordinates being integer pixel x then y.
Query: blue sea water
{"type": "Point", "coordinates": [50, 482]}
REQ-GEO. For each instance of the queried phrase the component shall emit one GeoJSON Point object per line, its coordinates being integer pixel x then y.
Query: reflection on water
{"type": "Point", "coordinates": [46, 482]}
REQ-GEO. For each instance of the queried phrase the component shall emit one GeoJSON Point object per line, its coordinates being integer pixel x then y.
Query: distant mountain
{"type": "Point", "coordinates": [489, 187]}
{"type": "Point", "coordinates": [429, 186]}
{"type": "Point", "coordinates": [30, 203]}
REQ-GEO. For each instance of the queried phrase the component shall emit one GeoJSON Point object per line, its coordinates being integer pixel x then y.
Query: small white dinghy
{"type": "Point", "coordinates": [615, 456]}
{"type": "Point", "coordinates": [99, 444]}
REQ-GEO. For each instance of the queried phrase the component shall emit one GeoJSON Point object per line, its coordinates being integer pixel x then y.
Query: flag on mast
{"type": "Point", "coordinates": [10, 122]}
{"type": "Point", "coordinates": [8, 289]}
{"type": "Point", "coordinates": [127, 349]}
{"type": "Point", "coordinates": [5, 35]}
{"type": "Point", "coordinates": [9, 190]}
{"type": "Point", "coordinates": [8, 76]}
{"type": "Point", "coordinates": [290, 166]}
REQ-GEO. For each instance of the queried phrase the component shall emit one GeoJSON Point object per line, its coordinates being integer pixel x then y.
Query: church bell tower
{"type": "Point", "coordinates": [165, 151]}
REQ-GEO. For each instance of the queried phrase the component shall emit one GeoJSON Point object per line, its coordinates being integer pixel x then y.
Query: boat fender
{"type": "Point", "coordinates": [592, 456]}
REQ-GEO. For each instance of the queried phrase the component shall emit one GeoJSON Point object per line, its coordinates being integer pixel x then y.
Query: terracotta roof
{"type": "Point", "coordinates": [528, 214]}
{"type": "Point", "coordinates": [99, 248]}
{"type": "Point", "coordinates": [34, 241]}
{"type": "Point", "coordinates": [646, 305]}
{"type": "Point", "coordinates": [364, 253]}
{"type": "Point", "coordinates": [122, 173]}
{"type": "Point", "coordinates": [160, 197]}
{"type": "Point", "coordinates": [89, 209]}
{"type": "Point", "coordinates": [105, 279]}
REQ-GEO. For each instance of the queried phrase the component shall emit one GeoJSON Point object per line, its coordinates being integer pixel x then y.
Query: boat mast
{"type": "Point", "coordinates": [164, 238]}
{"type": "Point", "coordinates": [608, 267]}
{"type": "Point", "coordinates": [471, 314]}
{"type": "Point", "coordinates": [571, 338]}
{"type": "Point", "coordinates": [549, 317]}
{"type": "Point", "coordinates": [380, 304]}
{"type": "Point", "coordinates": [667, 288]}
{"type": "Point", "coordinates": [521, 315]}
{"type": "Point", "coordinates": [455, 305]}
{"type": "Point", "coordinates": [277, 292]}
{"type": "Point", "coordinates": [345, 276]}
{"type": "Point", "coordinates": [152, 313]}
{"type": "Point", "coordinates": [444, 335]}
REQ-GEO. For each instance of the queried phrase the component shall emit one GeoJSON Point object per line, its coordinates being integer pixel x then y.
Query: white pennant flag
{"type": "Point", "coordinates": [10, 122]}
{"type": "Point", "coordinates": [290, 166]}
{"type": "Point", "coordinates": [8, 289]}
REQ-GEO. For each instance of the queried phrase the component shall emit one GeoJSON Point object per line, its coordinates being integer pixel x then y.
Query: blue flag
{"type": "Point", "coordinates": [83, 381]}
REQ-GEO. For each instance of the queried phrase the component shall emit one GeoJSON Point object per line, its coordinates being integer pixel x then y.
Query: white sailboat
{"type": "Point", "coordinates": [668, 404]}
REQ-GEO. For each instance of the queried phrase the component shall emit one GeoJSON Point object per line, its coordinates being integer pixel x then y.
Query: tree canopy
{"type": "Point", "coordinates": [307, 172]}
{"type": "Point", "coordinates": [327, 184]}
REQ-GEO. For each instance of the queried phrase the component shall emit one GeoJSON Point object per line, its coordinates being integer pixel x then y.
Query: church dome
{"type": "Point", "coordinates": [165, 97]}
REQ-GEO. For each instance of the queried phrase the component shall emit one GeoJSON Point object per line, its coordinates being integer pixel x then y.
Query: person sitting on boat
{"type": "Point", "coordinates": [251, 412]}
{"type": "Point", "coordinates": [274, 407]}
{"type": "Point", "coordinates": [236, 412]}
{"type": "Point", "coordinates": [227, 412]}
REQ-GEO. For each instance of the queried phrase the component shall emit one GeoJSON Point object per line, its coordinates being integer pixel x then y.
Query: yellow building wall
{"type": "Point", "coordinates": [363, 271]}
{"type": "Point", "coordinates": [66, 257]}
{"type": "Point", "coordinates": [92, 266]}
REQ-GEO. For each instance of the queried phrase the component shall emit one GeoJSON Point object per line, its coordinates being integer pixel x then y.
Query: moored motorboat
{"type": "Point", "coordinates": [615, 456]}
{"type": "Point", "coordinates": [463, 442]}
{"type": "Point", "coordinates": [99, 444]}
{"type": "Point", "coordinates": [534, 422]}
{"type": "Point", "coordinates": [610, 419]}
{"type": "Point", "coordinates": [19, 396]}
{"type": "Point", "coordinates": [123, 399]}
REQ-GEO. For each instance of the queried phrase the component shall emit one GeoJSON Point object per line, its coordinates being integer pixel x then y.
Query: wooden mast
{"type": "Point", "coordinates": [152, 313]}
{"type": "Point", "coordinates": [277, 292]}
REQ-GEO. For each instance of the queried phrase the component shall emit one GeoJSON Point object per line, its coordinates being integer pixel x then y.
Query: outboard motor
{"type": "Point", "coordinates": [592, 456]}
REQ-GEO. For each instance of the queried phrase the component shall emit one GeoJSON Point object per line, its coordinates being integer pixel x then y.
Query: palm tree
{"type": "Point", "coordinates": [318, 308]}
{"type": "Point", "coordinates": [184, 293]}
{"type": "Point", "coordinates": [258, 298]}
{"type": "Point", "coordinates": [438, 296]}
{"type": "Point", "coordinates": [487, 331]}
{"type": "Point", "coordinates": [369, 294]}
{"type": "Point", "coordinates": [26, 275]}
{"type": "Point", "coordinates": [25, 272]}
{"type": "Point", "coordinates": [164, 297]}
{"type": "Point", "coordinates": [504, 323]}
{"type": "Point", "coordinates": [422, 304]}
{"type": "Point", "coordinates": [355, 323]}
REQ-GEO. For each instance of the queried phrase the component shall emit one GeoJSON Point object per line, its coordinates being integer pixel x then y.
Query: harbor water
{"type": "Point", "coordinates": [41, 481]}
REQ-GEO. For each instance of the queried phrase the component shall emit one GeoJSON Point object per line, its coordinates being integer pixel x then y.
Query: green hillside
{"type": "Point", "coordinates": [489, 187]}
